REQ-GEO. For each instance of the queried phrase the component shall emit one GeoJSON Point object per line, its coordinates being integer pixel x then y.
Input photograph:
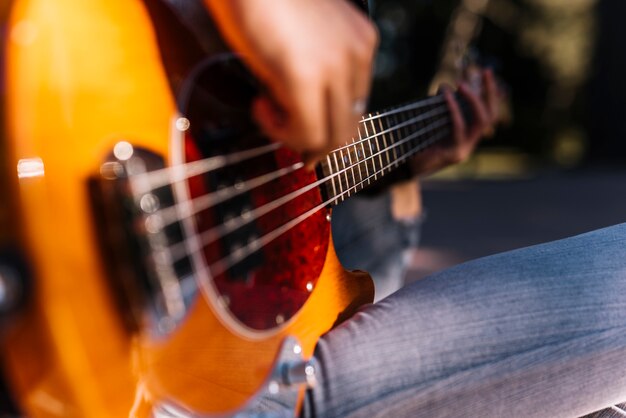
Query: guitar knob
{"type": "Point", "coordinates": [13, 284]}
{"type": "Point", "coordinates": [9, 288]}
{"type": "Point", "coordinates": [300, 372]}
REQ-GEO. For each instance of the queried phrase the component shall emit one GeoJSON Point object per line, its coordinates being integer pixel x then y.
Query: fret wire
{"type": "Point", "coordinates": [330, 172]}
{"type": "Point", "coordinates": [406, 116]}
{"type": "Point", "coordinates": [345, 172]}
{"type": "Point", "coordinates": [402, 132]}
{"type": "Point", "coordinates": [405, 127]}
{"type": "Point", "coordinates": [369, 143]}
{"type": "Point", "coordinates": [358, 167]}
{"type": "Point", "coordinates": [358, 149]}
{"type": "Point", "coordinates": [413, 139]}
{"type": "Point", "coordinates": [354, 179]}
{"type": "Point", "coordinates": [393, 150]}
{"type": "Point", "coordinates": [419, 124]}
{"type": "Point", "coordinates": [345, 180]}
{"type": "Point", "coordinates": [391, 140]}
{"type": "Point", "coordinates": [215, 233]}
{"type": "Point", "coordinates": [231, 259]}
{"type": "Point", "coordinates": [170, 175]}
{"type": "Point", "coordinates": [339, 176]}
{"type": "Point", "coordinates": [430, 134]}
{"type": "Point", "coordinates": [367, 173]}
{"type": "Point", "coordinates": [383, 122]}
{"type": "Point", "coordinates": [384, 138]}
{"type": "Point", "coordinates": [380, 154]}
{"type": "Point", "coordinates": [416, 105]}
{"type": "Point", "coordinates": [396, 152]}
{"type": "Point", "coordinates": [435, 112]}
{"type": "Point", "coordinates": [393, 120]}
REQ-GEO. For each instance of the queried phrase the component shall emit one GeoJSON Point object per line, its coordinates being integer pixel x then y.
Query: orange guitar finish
{"type": "Point", "coordinates": [80, 76]}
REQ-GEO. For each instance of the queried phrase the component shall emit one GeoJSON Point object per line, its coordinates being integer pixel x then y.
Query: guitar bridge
{"type": "Point", "coordinates": [153, 290]}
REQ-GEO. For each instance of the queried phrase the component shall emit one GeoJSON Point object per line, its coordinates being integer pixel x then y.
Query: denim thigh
{"type": "Point", "coordinates": [367, 237]}
{"type": "Point", "coordinates": [536, 332]}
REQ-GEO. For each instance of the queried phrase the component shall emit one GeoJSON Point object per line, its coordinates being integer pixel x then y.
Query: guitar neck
{"type": "Point", "coordinates": [386, 140]}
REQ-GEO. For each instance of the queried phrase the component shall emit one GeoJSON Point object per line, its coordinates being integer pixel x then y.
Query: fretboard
{"type": "Point", "coordinates": [385, 141]}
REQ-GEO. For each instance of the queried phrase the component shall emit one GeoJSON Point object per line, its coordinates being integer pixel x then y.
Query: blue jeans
{"type": "Point", "coordinates": [537, 332]}
{"type": "Point", "coordinates": [367, 237]}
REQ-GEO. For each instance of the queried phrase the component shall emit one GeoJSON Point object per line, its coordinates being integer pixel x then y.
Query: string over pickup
{"type": "Point", "coordinates": [153, 286]}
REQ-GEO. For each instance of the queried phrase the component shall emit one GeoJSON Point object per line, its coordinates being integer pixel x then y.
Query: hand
{"type": "Point", "coordinates": [463, 141]}
{"type": "Point", "coordinates": [314, 56]}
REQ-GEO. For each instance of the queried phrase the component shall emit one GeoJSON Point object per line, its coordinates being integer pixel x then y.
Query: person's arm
{"type": "Point", "coordinates": [315, 57]}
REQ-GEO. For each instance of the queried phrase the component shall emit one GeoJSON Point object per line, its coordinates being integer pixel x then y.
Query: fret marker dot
{"type": "Point", "coordinates": [309, 286]}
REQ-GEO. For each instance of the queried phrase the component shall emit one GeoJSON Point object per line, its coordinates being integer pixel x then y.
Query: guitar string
{"type": "Point", "coordinates": [414, 120]}
{"type": "Point", "coordinates": [172, 214]}
{"type": "Point", "coordinates": [168, 175]}
{"type": "Point", "coordinates": [181, 210]}
{"type": "Point", "coordinates": [243, 252]}
{"type": "Point", "coordinates": [217, 232]}
{"type": "Point", "coordinates": [168, 215]}
{"type": "Point", "coordinates": [411, 106]}
{"type": "Point", "coordinates": [180, 250]}
{"type": "Point", "coordinates": [619, 410]}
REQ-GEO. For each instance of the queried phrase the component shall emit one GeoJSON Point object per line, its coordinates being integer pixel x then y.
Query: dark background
{"type": "Point", "coordinates": [557, 169]}
{"type": "Point", "coordinates": [564, 65]}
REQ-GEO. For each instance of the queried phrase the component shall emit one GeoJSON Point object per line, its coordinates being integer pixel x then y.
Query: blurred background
{"type": "Point", "coordinates": [557, 168]}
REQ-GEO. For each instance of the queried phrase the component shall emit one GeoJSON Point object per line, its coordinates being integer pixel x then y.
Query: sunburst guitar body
{"type": "Point", "coordinates": [171, 249]}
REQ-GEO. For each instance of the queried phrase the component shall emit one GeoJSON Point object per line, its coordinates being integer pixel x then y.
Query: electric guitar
{"type": "Point", "coordinates": [180, 264]}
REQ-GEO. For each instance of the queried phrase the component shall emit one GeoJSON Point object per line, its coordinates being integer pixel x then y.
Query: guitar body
{"type": "Point", "coordinates": [80, 77]}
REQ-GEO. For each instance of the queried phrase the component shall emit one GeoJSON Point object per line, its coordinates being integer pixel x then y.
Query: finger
{"type": "Point", "coordinates": [458, 121]}
{"type": "Point", "coordinates": [342, 120]}
{"type": "Point", "coordinates": [310, 159]}
{"type": "Point", "coordinates": [363, 52]}
{"type": "Point", "coordinates": [305, 125]}
{"type": "Point", "coordinates": [481, 119]}
{"type": "Point", "coordinates": [269, 117]}
{"type": "Point", "coordinates": [491, 95]}
{"type": "Point", "coordinates": [443, 87]}
{"type": "Point", "coordinates": [361, 76]}
{"type": "Point", "coordinates": [368, 32]}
